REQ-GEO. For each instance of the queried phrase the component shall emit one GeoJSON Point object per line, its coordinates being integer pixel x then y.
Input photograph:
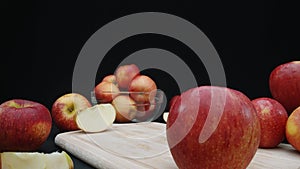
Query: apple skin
{"type": "Point", "coordinates": [110, 78]}
{"type": "Point", "coordinates": [124, 75]}
{"type": "Point", "coordinates": [143, 89]}
{"type": "Point", "coordinates": [105, 92]}
{"type": "Point", "coordinates": [24, 125]}
{"type": "Point", "coordinates": [172, 101]}
{"type": "Point", "coordinates": [273, 117]}
{"type": "Point", "coordinates": [64, 110]}
{"type": "Point", "coordinates": [125, 108]}
{"type": "Point", "coordinates": [234, 139]}
{"type": "Point", "coordinates": [284, 83]}
{"type": "Point", "coordinates": [145, 111]}
{"type": "Point", "coordinates": [293, 129]}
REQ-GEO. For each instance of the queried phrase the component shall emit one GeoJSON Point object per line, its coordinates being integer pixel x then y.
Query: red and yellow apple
{"type": "Point", "coordinates": [105, 92]}
{"type": "Point", "coordinates": [284, 83]}
{"type": "Point", "coordinates": [65, 109]}
{"type": "Point", "coordinates": [125, 108]}
{"type": "Point", "coordinates": [293, 129]}
{"type": "Point", "coordinates": [110, 78]}
{"type": "Point", "coordinates": [272, 116]}
{"type": "Point", "coordinates": [145, 111]}
{"type": "Point", "coordinates": [213, 127]}
{"type": "Point", "coordinates": [143, 89]}
{"type": "Point", "coordinates": [124, 75]}
{"type": "Point", "coordinates": [24, 125]}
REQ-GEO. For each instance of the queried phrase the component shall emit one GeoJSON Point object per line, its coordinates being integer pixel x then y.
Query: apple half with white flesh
{"type": "Point", "coordinates": [97, 118]}
{"type": "Point", "coordinates": [35, 160]}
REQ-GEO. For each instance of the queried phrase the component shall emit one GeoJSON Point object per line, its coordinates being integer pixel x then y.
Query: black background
{"type": "Point", "coordinates": [40, 42]}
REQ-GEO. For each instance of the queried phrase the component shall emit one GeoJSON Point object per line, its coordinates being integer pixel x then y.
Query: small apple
{"type": "Point", "coordinates": [272, 116]}
{"type": "Point", "coordinates": [284, 85]}
{"type": "Point", "coordinates": [143, 89]}
{"type": "Point", "coordinates": [105, 92]}
{"type": "Point", "coordinates": [213, 127]}
{"type": "Point", "coordinates": [125, 108]}
{"type": "Point", "coordinates": [124, 75]}
{"type": "Point", "coordinates": [110, 78]}
{"type": "Point", "coordinates": [65, 109]}
{"type": "Point", "coordinates": [145, 111]}
{"type": "Point", "coordinates": [293, 129]}
{"type": "Point", "coordinates": [24, 125]}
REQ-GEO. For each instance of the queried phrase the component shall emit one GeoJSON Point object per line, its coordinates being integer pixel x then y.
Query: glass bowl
{"type": "Point", "coordinates": [126, 103]}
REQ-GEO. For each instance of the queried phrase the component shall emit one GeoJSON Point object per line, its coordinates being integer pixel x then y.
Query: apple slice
{"type": "Point", "coordinates": [35, 160]}
{"type": "Point", "coordinates": [165, 116]}
{"type": "Point", "coordinates": [97, 118]}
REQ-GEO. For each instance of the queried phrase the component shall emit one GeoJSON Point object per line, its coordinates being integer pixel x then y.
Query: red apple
{"type": "Point", "coordinates": [272, 116]}
{"type": "Point", "coordinates": [293, 129]}
{"type": "Point", "coordinates": [124, 75]}
{"type": "Point", "coordinates": [173, 100]}
{"type": "Point", "coordinates": [143, 89]}
{"type": "Point", "coordinates": [213, 127]}
{"type": "Point", "coordinates": [24, 125]}
{"type": "Point", "coordinates": [110, 78]}
{"type": "Point", "coordinates": [125, 108]}
{"type": "Point", "coordinates": [65, 109]}
{"type": "Point", "coordinates": [145, 111]}
{"type": "Point", "coordinates": [105, 92]}
{"type": "Point", "coordinates": [284, 83]}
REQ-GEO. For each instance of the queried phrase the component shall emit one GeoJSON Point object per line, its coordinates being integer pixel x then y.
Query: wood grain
{"type": "Point", "coordinates": [144, 145]}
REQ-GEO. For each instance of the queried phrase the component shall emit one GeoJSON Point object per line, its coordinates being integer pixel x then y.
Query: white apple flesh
{"type": "Point", "coordinates": [35, 160]}
{"type": "Point", "coordinates": [97, 118]}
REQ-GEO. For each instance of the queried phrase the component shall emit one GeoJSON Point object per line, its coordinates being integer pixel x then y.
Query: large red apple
{"type": "Point", "coordinates": [293, 129]}
{"type": "Point", "coordinates": [65, 109]}
{"type": "Point", "coordinates": [125, 108]}
{"type": "Point", "coordinates": [213, 127]}
{"type": "Point", "coordinates": [172, 101]}
{"type": "Point", "coordinates": [284, 83]}
{"type": "Point", "coordinates": [105, 92]}
{"type": "Point", "coordinates": [143, 89]}
{"type": "Point", "coordinates": [124, 75]}
{"type": "Point", "coordinates": [24, 125]}
{"type": "Point", "coordinates": [272, 116]}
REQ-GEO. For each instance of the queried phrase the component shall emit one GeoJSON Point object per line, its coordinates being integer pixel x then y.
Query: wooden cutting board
{"type": "Point", "coordinates": [144, 145]}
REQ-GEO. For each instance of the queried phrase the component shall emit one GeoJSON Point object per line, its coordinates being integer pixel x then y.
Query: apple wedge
{"type": "Point", "coordinates": [97, 118]}
{"type": "Point", "coordinates": [35, 160]}
{"type": "Point", "coordinates": [165, 116]}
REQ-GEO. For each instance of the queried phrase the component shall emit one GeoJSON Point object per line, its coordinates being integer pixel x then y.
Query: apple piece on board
{"type": "Point", "coordinates": [165, 116]}
{"type": "Point", "coordinates": [124, 75]}
{"type": "Point", "coordinates": [293, 129]}
{"type": "Point", "coordinates": [142, 89]}
{"type": "Point", "coordinates": [35, 160]}
{"type": "Point", "coordinates": [125, 108]}
{"type": "Point", "coordinates": [213, 127]}
{"type": "Point", "coordinates": [24, 125]}
{"type": "Point", "coordinates": [65, 109]}
{"type": "Point", "coordinates": [105, 92]}
{"type": "Point", "coordinates": [273, 117]}
{"type": "Point", "coordinates": [97, 118]}
{"type": "Point", "coordinates": [284, 83]}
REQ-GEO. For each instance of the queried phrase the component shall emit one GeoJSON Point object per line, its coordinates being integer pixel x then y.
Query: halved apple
{"type": "Point", "coordinates": [97, 118]}
{"type": "Point", "coordinates": [35, 160]}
